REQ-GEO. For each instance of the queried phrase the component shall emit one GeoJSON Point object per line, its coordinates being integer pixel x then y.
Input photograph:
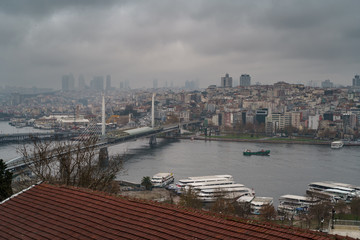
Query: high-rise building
{"type": "Point", "coordinates": [260, 115]}
{"type": "Point", "coordinates": [155, 83]}
{"type": "Point", "coordinates": [81, 82]}
{"type": "Point", "coordinates": [327, 84]}
{"type": "Point", "coordinates": [226, 81]}
{"type": "Point", "coordinates": [108, 83]}
{"type": "Point", "coordinates": [127, 85]}
{"type": "Point", "coordinates": [97, 83]}
{"type": "Point", "coordinates": [245, 80]}
{"type": "Point", "coordinates": [356, 81]}
{"type": "Point", "coordinates": [191, 85]}
{"type": "Point", "coordinates": [67, 83]}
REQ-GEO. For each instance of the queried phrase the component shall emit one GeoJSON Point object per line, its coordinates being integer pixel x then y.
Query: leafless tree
{"type": "Point", "coordinates": [242, 209]}
{"type": "Point", "coordinates": [71, 163]}
{"type": "Point", "coordinates": [268, 212]}
{"type": "Point", "coordinates": [320, 212]}
{"type": "Point", "coordinates": [355, 207]}
{"type": "Point", "coordinates": [190, 199]}
{"type": "Point", "coordinates": [223, 206]}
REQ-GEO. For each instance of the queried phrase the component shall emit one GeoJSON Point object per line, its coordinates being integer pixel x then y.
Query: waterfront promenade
{"type": "Point", "coordinates": [266, 140]}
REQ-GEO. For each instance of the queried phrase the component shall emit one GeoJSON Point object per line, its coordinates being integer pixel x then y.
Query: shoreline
{"type": "Point", "coordinates": [287, 141]}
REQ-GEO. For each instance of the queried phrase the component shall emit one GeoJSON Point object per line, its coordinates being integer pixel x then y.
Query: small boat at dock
{"type": "Point", "coordinates": [261, 153]}
{"type": "Point", "coordinates": [337, 144]}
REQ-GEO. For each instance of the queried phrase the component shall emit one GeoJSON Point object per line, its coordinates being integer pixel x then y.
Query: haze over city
{"type": "Point", "coordinates": [176, 41]}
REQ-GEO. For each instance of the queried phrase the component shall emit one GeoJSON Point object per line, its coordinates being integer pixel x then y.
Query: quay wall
{"type": "Point", "coordinates": [257, 140]}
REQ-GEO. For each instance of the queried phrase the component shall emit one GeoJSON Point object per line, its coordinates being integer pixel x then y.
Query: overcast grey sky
{"type": "Point", "coordinates": [280, 40]}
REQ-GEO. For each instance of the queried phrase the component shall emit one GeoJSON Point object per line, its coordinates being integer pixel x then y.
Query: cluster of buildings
{"type": "Point", "coordinates": [280, 108]}
{"type": "Point", "coordinates": [98, 83]}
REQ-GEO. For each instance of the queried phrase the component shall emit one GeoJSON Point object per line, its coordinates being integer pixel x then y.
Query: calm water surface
{"type": "Point", "coordinates": [288, 169]}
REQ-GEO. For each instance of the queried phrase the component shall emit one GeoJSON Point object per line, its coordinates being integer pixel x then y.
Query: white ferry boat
{"type": "Point", "coordinates": [162, 179]}
{"type": "Point", "coordinates": [337, 144]}
{"type": "Point", "coordinates": [213, 184]}
{"type": "Point", "coordinates": [203, 179]}
{"type": "Point", "coordinates": [228, 193]}
{"type": "Point", "coordinates": [258, 202]}
{"type": "Point", "coordinates": [346, 185]}
{"type": "Point", "coordinates": [334, 191]}
{"type": "Point", "coordinates": [229, 177]}
{"type": "Point", "coordinates": [293, 204]}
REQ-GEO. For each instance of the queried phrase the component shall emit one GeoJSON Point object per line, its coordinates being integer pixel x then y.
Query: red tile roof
{"type": "Point", "coordinates": [55, 212]}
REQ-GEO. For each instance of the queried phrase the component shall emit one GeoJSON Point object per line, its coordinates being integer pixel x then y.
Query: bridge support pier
{"type": "Point", "coordinates": [103, 157]}
{"type": "Point", "coordinates": [152, 140]}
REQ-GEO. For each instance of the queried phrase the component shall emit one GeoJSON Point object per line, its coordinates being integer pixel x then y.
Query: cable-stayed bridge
{"type": "Point", "coordinates": [96, 135]}
{"type": "Point", "coordinates": [92, 134]}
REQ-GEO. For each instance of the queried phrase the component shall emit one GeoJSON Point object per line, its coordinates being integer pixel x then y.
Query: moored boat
{"type": "Point", "coordinates": [337, 144]}
{"type": "Point", "coordinates": [162, 179]}
{"type": "Point", "coordinates": [261, 153]}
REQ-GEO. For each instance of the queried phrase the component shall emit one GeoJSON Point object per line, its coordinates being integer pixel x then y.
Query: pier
{"type": "Point", "coordinates": [24, 137]}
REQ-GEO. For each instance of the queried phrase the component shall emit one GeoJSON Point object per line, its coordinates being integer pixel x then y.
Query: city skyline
{"type": "Point", "coordinates": [178, 41]}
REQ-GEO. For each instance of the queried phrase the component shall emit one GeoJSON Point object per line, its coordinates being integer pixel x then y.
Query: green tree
{"type": "Point", "coordinates": [5, 181]}
{"type": "Point", "coordinates": [190, 199]}
{"type": "Point", "coordinates": [146, 182]}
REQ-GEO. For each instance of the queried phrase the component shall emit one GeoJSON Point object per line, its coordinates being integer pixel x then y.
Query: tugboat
{"type": "Point", "coordinates": [261, 152]}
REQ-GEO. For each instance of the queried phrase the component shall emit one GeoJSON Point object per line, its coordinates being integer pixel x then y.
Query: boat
{"type": "Point", "coordinates": [227, 193]}
{"type": "Point", "coordinates": [326, 185]}
{"type": "Point", "coordinates": [333, 191]}
{"type": "Point", "coordinates": [208, 184]}
{"type": "Point", "coordinates": [337, 144]}
{"type": "Point", "coordinates": [162, 179]}
{"type": "Point", "coordinates": [257, 203]}
{"type": "Point", "coordinates": [294, 204]}
{"type": "Point", "coordinates": [260, 153]}
{"type": "Point", "coordinates": [203, 179]}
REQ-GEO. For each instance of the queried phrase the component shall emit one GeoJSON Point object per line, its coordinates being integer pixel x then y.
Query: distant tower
{"type": "Point", "coordinates": [81, 82]}
{"type": "Point", "coordinates": [127, 85]}
{"type": "Point", "coordinates": [97, 83]}
{"type": "Point", "coordinates": [327, 84]}
{"type": "Point", "coordinates": [67, 83]}
{"type": "Point", "coordinates": [155, 84]}
{"type": "Point", "coordinates": [356, 81]}
{"type": "Point", "coordinates": [108, 83]}
{"type": "Point", "coordinates": [226, 81]}
{"type": "Point", "coordinates": [245, 80]}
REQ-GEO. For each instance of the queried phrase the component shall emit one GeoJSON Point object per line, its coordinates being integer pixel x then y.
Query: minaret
{"type": "Point", "coordinates": [103, 116]}
{"type": "Point", "coordinates": [153, 111]}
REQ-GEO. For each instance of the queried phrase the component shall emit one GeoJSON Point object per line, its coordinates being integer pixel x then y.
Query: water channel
{"type": "Point", "coordinates": [288, 169]}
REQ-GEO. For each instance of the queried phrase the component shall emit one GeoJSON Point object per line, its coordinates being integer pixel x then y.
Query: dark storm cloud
{"type": "Point", "coordinates": [179, 40]}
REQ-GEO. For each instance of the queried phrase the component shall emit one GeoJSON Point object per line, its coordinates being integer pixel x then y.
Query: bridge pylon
{"type": "Point", "coordinates": [103, 157]}
{"type": "Point", "coordinates": [152, 140]}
